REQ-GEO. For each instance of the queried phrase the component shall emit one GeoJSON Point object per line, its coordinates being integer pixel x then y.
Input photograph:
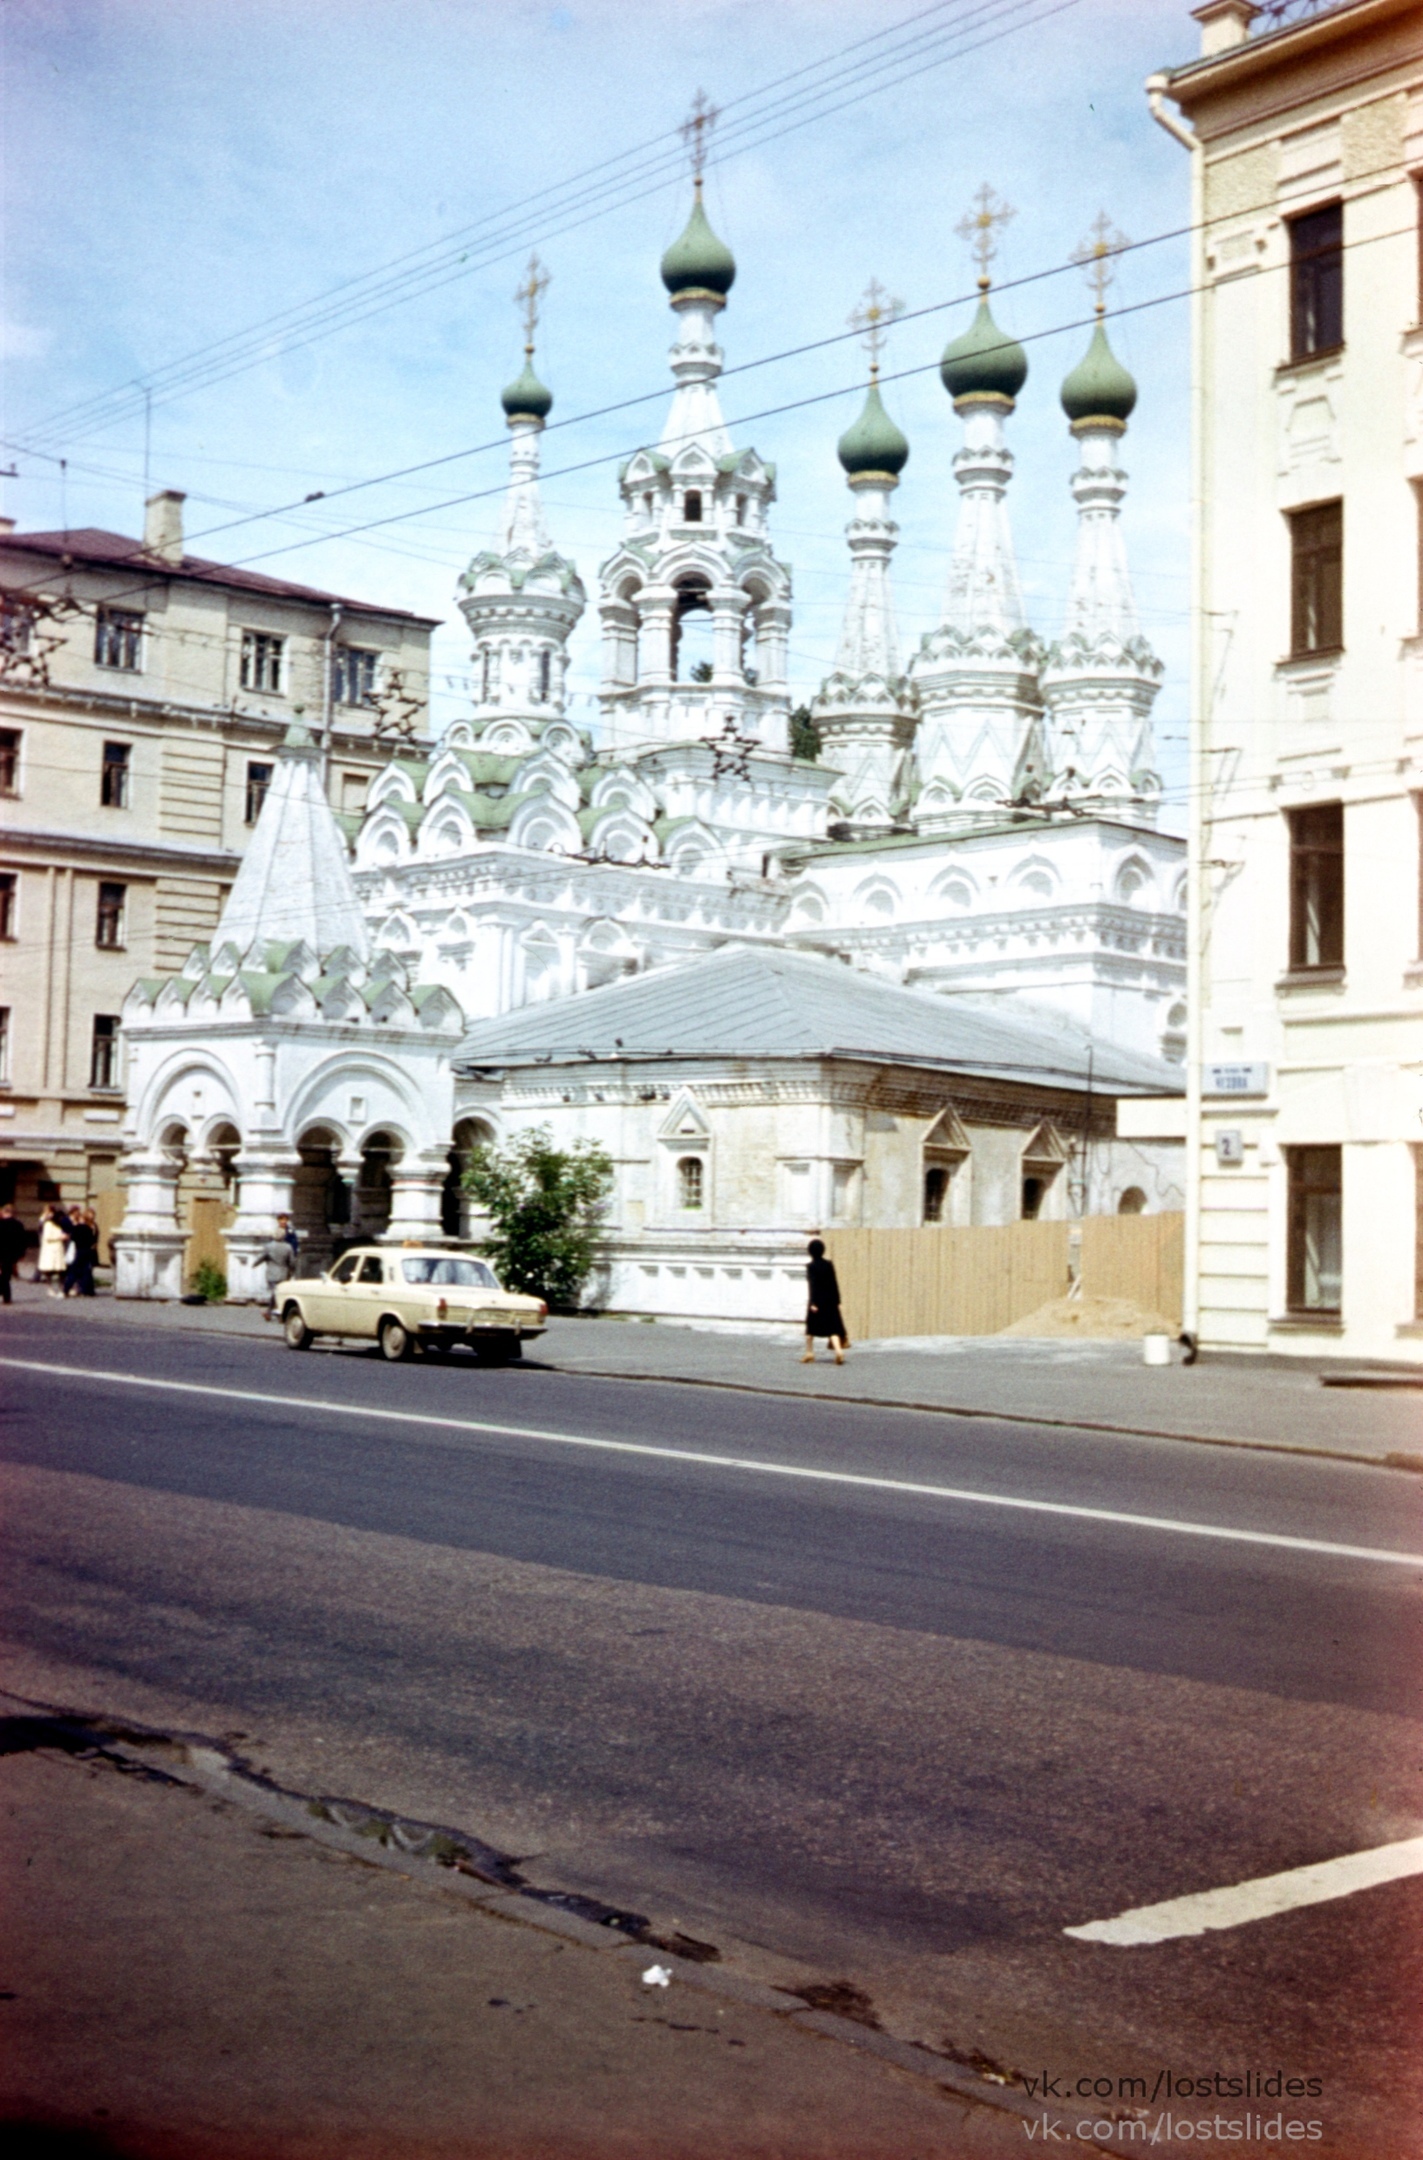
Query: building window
{"type": "Point", "coordinates": [484, 674]}
{"type": "Point", "coordinates": [1314, 1260]}
{"type": "Point", "coordinates": [1317, 282]}
{"type": "Point", "coordinates": [1034, 1190]}
{"type": "Point", "coordinates": [936, 1187]}
{"type": "Point", "coordinates": [4, 1045]}
{"type": "Point", "coordinates": [104, 1052]}
{"type": "Point", "coordinates": [1317, 886]}
{"type": "Point", "coordinates": [353, 675]}
{"type": "Point", "coordinates": [113, 776]}
{"type": "Point", "coordinates": [262, 661]}
{"type": "Point", "coordinates": [689, 1181]}
{"type": "Point", "coordinates": [692, 507]}
{"type": "Point", "coordinates": [741, 509]}
{"type": "Point", "coordinates": [16, 621]}
{"type": "Point", "coordinates": [354, 788]}
{"type": "Point", "coordinates": [9, 886]}
{"type": "Point", "coordinates": [1317, 579]}
{"type": "Point", "coordinates": [1132, 1202]}
{"type": "Point", "coordinates": [259, 779]}
{"type": "Point", "coordinates": [10, 760]}
{"type": "Point", "coordinates": [545, 674]}
{"type": "Point", "coordinates": [118, 639]}
{"type": "Point", "coordinates": [109, 922]}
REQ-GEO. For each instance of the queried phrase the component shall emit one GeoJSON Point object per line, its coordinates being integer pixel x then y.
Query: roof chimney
{"type": "Point", "coordinates": [7, 525]}
{"type": "Point", "coordinates": [1224, 23]}
{"type": "Point", "coordinates": [163, 524]}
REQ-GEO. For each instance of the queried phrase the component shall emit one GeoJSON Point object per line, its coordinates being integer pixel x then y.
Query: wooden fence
{"type": "Point", "coordinates": [975, 1281]}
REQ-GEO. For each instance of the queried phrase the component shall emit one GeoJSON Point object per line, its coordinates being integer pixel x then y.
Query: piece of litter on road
{"type": "Point", "coordinates": [657, 1976]}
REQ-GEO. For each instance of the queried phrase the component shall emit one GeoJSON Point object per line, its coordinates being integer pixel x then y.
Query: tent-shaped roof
{"type": "Point", "coordinates": [758, 1002]}
{"type": "Point", "coordinates": [295, 879]}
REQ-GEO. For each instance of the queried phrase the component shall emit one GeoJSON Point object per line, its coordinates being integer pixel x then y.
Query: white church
{"type": "Point", "coordinates": [903, 979]}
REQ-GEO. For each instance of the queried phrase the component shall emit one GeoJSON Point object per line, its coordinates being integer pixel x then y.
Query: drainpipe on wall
{"type": "Point", "coordinates": [326, 698]}
{"type": "Point", "coordinates": [1197, 820]}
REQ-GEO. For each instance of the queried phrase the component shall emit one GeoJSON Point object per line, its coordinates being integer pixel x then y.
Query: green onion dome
{"type": "Point", "coordinates": [983, 363]}
{"type": "Point", "coordinates": [874, 443]}
{"type": "Point", "coordinates": [1099, 387]}
{"type": "Point", "coordinates": [698, 260]}
{"type": "Point", "coordinates": [526, 398]}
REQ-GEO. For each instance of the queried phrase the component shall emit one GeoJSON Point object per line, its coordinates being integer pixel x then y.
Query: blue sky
{"type": "Point", "coordinates": [179, 170]}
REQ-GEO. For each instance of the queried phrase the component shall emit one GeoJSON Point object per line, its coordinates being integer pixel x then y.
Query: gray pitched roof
{"type": "Point", "coordinates": [757, 1002]}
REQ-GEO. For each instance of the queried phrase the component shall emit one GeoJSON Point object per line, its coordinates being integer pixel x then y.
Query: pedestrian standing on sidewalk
{"type": "Point", "coordinates": [14, 1244]}
{"type": "Point", "coordinates": [822, 1312]}
{"type": "Point", "coordinates": [84, 1246]}
{"type": "Point", "coordinates": [279, 1260]}
{"type": "Point", "coordinates": [54, 1237]}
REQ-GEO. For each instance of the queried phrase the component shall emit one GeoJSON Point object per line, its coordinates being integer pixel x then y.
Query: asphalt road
{"type": "Point", "coordinates": [840, 1726]}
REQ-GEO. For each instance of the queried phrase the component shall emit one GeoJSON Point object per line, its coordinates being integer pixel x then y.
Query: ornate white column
{"type": "Point", "coordinates": [148, 1249]}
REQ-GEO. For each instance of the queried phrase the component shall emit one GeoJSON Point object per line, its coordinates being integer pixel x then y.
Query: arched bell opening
{"type": "Point", "coordinates": [693, 632]}
{"type": "Point", "coordinates": [460, 1213]}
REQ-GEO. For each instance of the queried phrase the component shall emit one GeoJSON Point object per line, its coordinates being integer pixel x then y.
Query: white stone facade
{"type": "Point", "coordinates": [1305, 1106]}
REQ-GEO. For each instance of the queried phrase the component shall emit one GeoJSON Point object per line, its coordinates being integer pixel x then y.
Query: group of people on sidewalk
{"type": "Point", "coordinates": [68, 1249]}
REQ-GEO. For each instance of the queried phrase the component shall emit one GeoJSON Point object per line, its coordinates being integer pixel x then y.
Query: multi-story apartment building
{"type": "Point", "coordinates": [1305, 1113]}
{"type": "Point", "coordinates": [143, 693]}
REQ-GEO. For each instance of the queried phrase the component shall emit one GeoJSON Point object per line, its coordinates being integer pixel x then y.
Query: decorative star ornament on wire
{"type": "Point", "coordinates": [696, 133]}
{"type": "Point", "coordinates": [1096, 255]}
{"type": "Point", "coordinates": [873, 316]}
{"type": "Point", "coordinates": [980, 228]}
{"type": "Point", "coordinates": [527, 298]}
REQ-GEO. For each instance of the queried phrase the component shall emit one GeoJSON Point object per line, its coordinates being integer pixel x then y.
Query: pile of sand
{"type": "Point", "coordinates": [1094, 1319]}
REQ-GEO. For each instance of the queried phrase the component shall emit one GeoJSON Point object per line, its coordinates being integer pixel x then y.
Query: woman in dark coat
{"type": "Point", "coordinates": [822, 1312]}
{"type": "Point", "coordinates": [84, 1237]}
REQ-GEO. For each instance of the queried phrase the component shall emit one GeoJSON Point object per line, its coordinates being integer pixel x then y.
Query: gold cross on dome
{"type": "Point", "coordinates": [1095, 255]}
{"type": "Point", "coordinates": [980, 227]}
{"type": "Point", "coordinates": [873, 316]}
{"type": "Point", "coordinates": [527, 298]}
{"type": "Point", "coordinates": [696, 130]}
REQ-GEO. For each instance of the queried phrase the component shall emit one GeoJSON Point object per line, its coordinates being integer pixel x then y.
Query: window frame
{"type": "Point", "coordinates": [1300, 1188]}
{"type": "Point", "coordinates": [114, 792]}
{"type": "Point", "coordinates": [1311, 599]}
{"type": "Point", "coordinates": [12, 752]}
{"type": "Point", "coordinates": [5, 1012]}
{"type": "Point", "coordinates": [1310, 266]}
{"type": "Point", "coordinates": [343, 658]}
{"type": "Point", "coordinates": [111, 914]}
{"type": "Point", "coordinates": [9, 907]}
{"type": "Point", "coordinates": [256, 790]}
{"type": "Point", "coordinates": [1309, 923]}
{"type": "Point", "coordinates": [262, 663]}
{"type": "Point", "coordinates": [689, 1184]}
{"type": "Point", "coordinates": [104, 1042]}
{"type": "Point", "coordinates": [121, 631]}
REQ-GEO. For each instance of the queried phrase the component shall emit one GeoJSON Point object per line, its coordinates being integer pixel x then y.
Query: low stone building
{"type": "Point", "coordinates": [761, 1094]}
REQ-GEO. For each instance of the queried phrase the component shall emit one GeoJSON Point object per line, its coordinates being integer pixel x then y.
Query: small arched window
{"type": "Point", "coordinates": [741, 509]}
{"type": "Point", "coordinates": [545, 672]}
{"type": "Point", "coordinates": [1132, 1202]}
{"type": "Point", "coordinates": [689, 1181]}
{"type": "Point", "coordinates": [484, 675]}
{"type": "Point", "coordinates": [692, 507]}
{"type": "Point", "coordinates": [936, 1185]}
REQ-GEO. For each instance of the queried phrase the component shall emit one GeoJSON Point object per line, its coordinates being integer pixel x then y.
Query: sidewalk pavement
{"type": "Point", "coordinates": [187, 1977]}
{"type": "Point", "coordinates": [1257, 1402]}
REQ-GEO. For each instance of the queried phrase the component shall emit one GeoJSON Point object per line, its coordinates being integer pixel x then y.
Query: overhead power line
{"type": "Point", "coordinates": [954, 29]}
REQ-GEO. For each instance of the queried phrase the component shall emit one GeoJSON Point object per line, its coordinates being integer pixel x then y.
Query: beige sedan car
{"type": "Point", "coordinates": [403, 1295]}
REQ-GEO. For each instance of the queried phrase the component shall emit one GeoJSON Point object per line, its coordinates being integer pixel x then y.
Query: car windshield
{"type": "Point", "coordinates": [446, 1270]}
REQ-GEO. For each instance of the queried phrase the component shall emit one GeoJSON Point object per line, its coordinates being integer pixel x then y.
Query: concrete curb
{"type": "Point", "coordinates": [404, 1847]}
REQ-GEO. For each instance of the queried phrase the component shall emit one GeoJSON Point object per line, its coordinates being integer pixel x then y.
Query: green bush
{"type": "Point", "coordinates": [209, 1282]}
{"type": "Point", "coordinates": [545, 1204]}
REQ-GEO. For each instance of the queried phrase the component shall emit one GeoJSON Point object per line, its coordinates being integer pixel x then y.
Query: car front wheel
{"type": "Point", "coordinates": [298, 1335]}
{"type": "Point", "coordinates": [395, 1343]}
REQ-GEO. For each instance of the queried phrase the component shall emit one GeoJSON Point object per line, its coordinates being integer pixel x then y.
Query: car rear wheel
{"type": "Point", "coordinates": [395, 1343]}
{"type": "Point", "coordinates": [298, 1335]}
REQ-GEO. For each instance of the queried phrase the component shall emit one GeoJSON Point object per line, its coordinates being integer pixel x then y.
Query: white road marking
{"type": "Point", "coordinates": [1259, 1899]}
{"type": "Point", "coordinates": [801, 1471]}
